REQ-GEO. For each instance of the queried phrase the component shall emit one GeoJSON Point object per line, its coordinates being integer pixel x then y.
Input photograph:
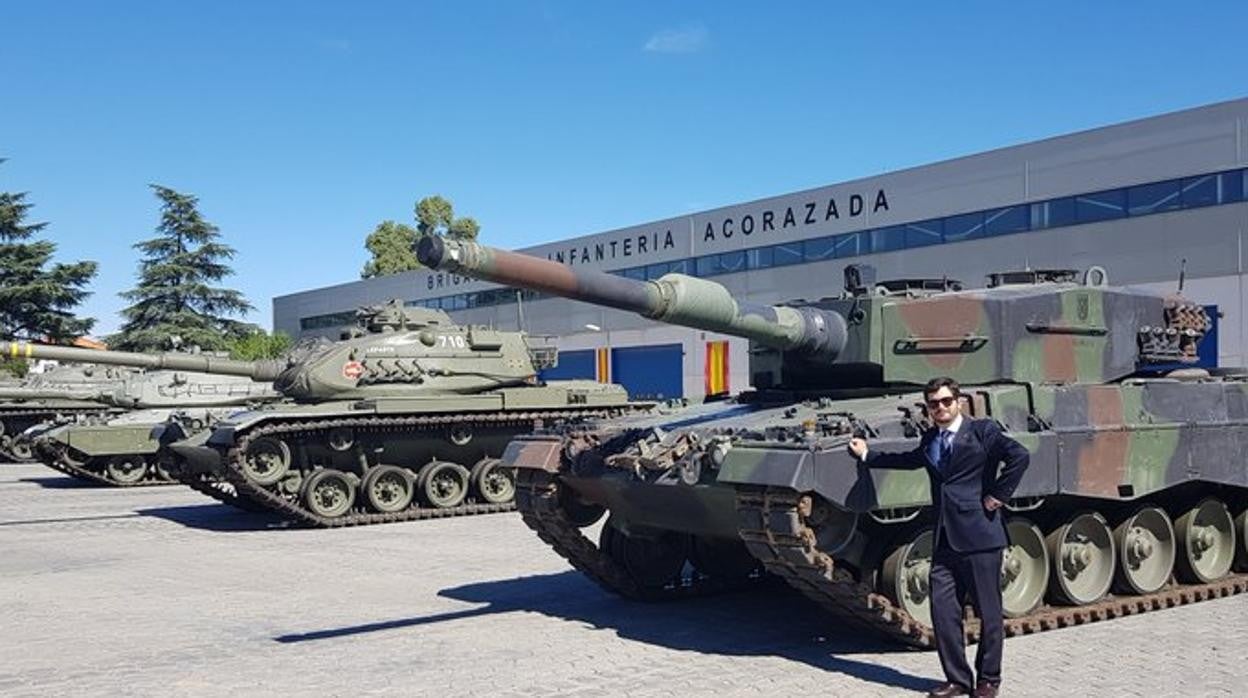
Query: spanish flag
{"type": "Point", "coordinates": [717, 368]}
{"type": "Point", "coordinates": [603, 365]}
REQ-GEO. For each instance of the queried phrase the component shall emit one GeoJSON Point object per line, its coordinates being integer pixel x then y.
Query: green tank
{"type": "Point", "coordinates": [1135, 499]}
{"type": "Point", "coordinates": [403, 418]}
{"type": "Point", "coordinates": [61, 393]}
{"type": "Point", "coordinates": [125, 449]}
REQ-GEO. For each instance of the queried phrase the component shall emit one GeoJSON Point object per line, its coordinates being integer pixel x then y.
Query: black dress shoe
{"type": "Point", "coordinates": [984, 689]}
{"type": "Point", "coordinates": [947, 689]}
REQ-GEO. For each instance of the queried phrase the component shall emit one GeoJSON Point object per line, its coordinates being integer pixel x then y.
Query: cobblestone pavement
{"type": "Point", "coordinates": [158, 591]}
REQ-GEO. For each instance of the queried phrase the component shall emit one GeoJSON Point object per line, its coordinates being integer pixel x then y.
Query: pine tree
{"type": "Point", "coordinates": [175, 296]}
{"type": "Point", "coordinates": [37, 300]}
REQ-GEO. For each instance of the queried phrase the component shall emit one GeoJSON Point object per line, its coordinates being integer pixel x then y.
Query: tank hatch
{"type": "Point", "coordinates": [1031, 277]}
{"type": "Point", "coordinates": [917, 287]}
{"type": "Point", "coordinates": [393, 315]}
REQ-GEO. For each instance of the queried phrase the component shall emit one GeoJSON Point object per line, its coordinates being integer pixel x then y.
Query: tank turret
{"type": "Point", "coordinates": [1033, 325]}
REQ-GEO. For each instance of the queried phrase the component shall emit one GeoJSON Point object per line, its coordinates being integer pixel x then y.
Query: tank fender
{"type": "Point", "coordinates": [837, 476]}
{"type": "Point", "coordinates": [534, 453]}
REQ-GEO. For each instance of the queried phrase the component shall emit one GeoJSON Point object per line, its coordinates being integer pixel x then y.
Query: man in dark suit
{"type": "Point", "coordinates": [961, 458]}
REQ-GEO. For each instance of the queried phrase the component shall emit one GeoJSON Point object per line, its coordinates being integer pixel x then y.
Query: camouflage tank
{"type": "Point", "coordinates": [61, 393]}
{"type": "Point", "coordinates": [1135, 498]}
{"type": "Point", "coordinates": [123, 450]}
{"type": "Point", "coordinates": [402, 419]}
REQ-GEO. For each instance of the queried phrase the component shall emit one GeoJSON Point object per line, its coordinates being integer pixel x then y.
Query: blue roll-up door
{"type": "Point", "coordinates": [572, 364]}
{"type": "Point", "coordinates": [1207, 350]}
{"type": "Point", "coordinates": [651, 372]}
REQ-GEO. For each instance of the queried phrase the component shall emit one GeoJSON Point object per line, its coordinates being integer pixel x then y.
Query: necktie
{"type": "Point", "coordinates": [946, 447]}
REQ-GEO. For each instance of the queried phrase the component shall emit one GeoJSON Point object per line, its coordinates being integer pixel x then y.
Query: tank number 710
{"type": "Point", "coordinates": [448, 340]}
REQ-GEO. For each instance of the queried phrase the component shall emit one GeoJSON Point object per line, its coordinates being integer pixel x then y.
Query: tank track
{"type": "Point", "coordinates": [152, 478]}
{"type": "Point", "coordinates": [537, 499]}
{"type": "Point", "coordinates": [222, 491]}
{"type": "Point", "coordinates": [272, 501]}
{"type": "Point", "coordinates": [774, 528]}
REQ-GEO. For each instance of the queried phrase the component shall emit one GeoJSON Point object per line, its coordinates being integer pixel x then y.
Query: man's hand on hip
{"type": "Point", "coordinates": [858, 447]}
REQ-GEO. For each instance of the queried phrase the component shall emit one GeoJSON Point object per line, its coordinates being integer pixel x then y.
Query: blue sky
{"type": "Point", "coordinates": [300, 126]}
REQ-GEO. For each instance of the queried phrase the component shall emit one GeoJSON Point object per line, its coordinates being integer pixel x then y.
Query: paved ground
{"type": "Point", "coordinates": [158, 591]}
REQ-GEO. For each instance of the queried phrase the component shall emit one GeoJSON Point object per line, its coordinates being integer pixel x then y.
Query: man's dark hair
{"type": "Point", "coordinates": [939, 382]}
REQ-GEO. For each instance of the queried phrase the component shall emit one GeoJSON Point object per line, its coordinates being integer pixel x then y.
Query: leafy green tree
{"type": "Point", "coordinates": [391, 244]}
{"type": "Point", "coordinates": [257, 344]}
{"type": "Point", "coordinates": [436, 216]}
{"type": "Point", "coordinates": [18, 368]}
{"type": "Point", "coordinates": [37, 297]}
{"type": "Point", "coordinates": [175, 296]}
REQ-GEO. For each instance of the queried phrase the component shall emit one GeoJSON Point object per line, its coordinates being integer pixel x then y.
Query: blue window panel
{"type": "Point", "coordinates": [582, 363]}
{"type": "Point", "coordinates": [1101, 206]}
{"type": "Point", "coordinates": [924, 233]}
{"type": "Point", "coordinates": [1003, 221]}
{"type": "Point", "coordinates": [1146, 199]}
{"type": "Point", "coordinates": [1234, 187]}
{"type": "Point", "coordinates": [459, 301]}
{"type": "Point", "coordinates": [886, 239]}
{"type": "Point", "coordinates": [819, 249]}
{"type": "Point", "coordinates": [852, 244]}
{"type": "Point", "coordinates": [967, 226]}
{"type": "Point", "coordinates": [760, 257]}
{"type": "Point", "coordinates": [1053, 214]}
{"type": "Point", "coordinates": [638, 273]}
{"type": "Point", "coordinates": [732, 262]}
{"type": "Point", "coordinates": [1201, 191]}
{"type": "Point", "coordinates": [654, 271]}
{"type": "Point", "coordinates": [708, 265]}
{"type": "Point", "coordinates": [786, 254]}
{"type": "Point", "coordinates": [681, 266]}
{"type": "Point", "coordinates": [650, 372]}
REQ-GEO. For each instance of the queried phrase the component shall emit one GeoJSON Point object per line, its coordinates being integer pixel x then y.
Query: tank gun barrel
{"type": "Point", "coordinates": [19, 394]}
{"type": "Point", "coordinates": [675, 298]}
{"type": "Point", "coordinates": [256, 370]}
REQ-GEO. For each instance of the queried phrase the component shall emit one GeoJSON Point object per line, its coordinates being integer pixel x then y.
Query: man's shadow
{"type": "Point", "coordinates": [772, 620]}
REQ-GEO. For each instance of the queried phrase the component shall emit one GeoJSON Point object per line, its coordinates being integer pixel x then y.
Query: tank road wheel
{"type": "Point", "coordinates": [20, 449]}
{"type": "Point", "coordinates": [126, 470]}
{"type": "Point", "coordinates": [388, 488]}
{"type": "Point", "coordinates": [1206, 542]}
{"type": "Point", "coordinates": [1082, 555]}
{"type": "Point", "coordinates": [652, 561]}
{"type": "Point", "coordinates": [1024, 569]}
{"type": "Point", "coordinates": [722, 558]}
{"type": "Point", "coordinates": [904, 576]}
{"type": "Point", "coordinates": [267, 460]}
{"type": "Point", "coordinates": [578, 511]}
{"type": "Point", "coordinates": [443, 484]}
{"type": "Point", "coordinates": [329, 493]}
{"type": "Point", "coordinates": [493, 482]}
{"type": "Point", "coordinates": [1145, 543]}
{"type": "Point", "coordinates": [1241, 533]}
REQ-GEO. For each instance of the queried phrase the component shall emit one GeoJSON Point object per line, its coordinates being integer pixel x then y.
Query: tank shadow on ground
{"type": "Point", "coordinates": [60, 482]}
{"type": "Point", "coordinates": [217, 517]}
{"type": "Point", "coordinates": [772, 622]}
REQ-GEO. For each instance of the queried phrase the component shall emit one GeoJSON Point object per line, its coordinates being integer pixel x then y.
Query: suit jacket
{"type": "Point", "coordinates": [958, 489]}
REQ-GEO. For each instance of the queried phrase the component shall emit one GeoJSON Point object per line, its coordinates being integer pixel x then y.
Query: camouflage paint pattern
{"type": "Point", "coordinates": [1062, 365]}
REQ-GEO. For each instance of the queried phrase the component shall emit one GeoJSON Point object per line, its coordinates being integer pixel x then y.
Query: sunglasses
{"type": "Point", "coordinates": [942, 402]}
